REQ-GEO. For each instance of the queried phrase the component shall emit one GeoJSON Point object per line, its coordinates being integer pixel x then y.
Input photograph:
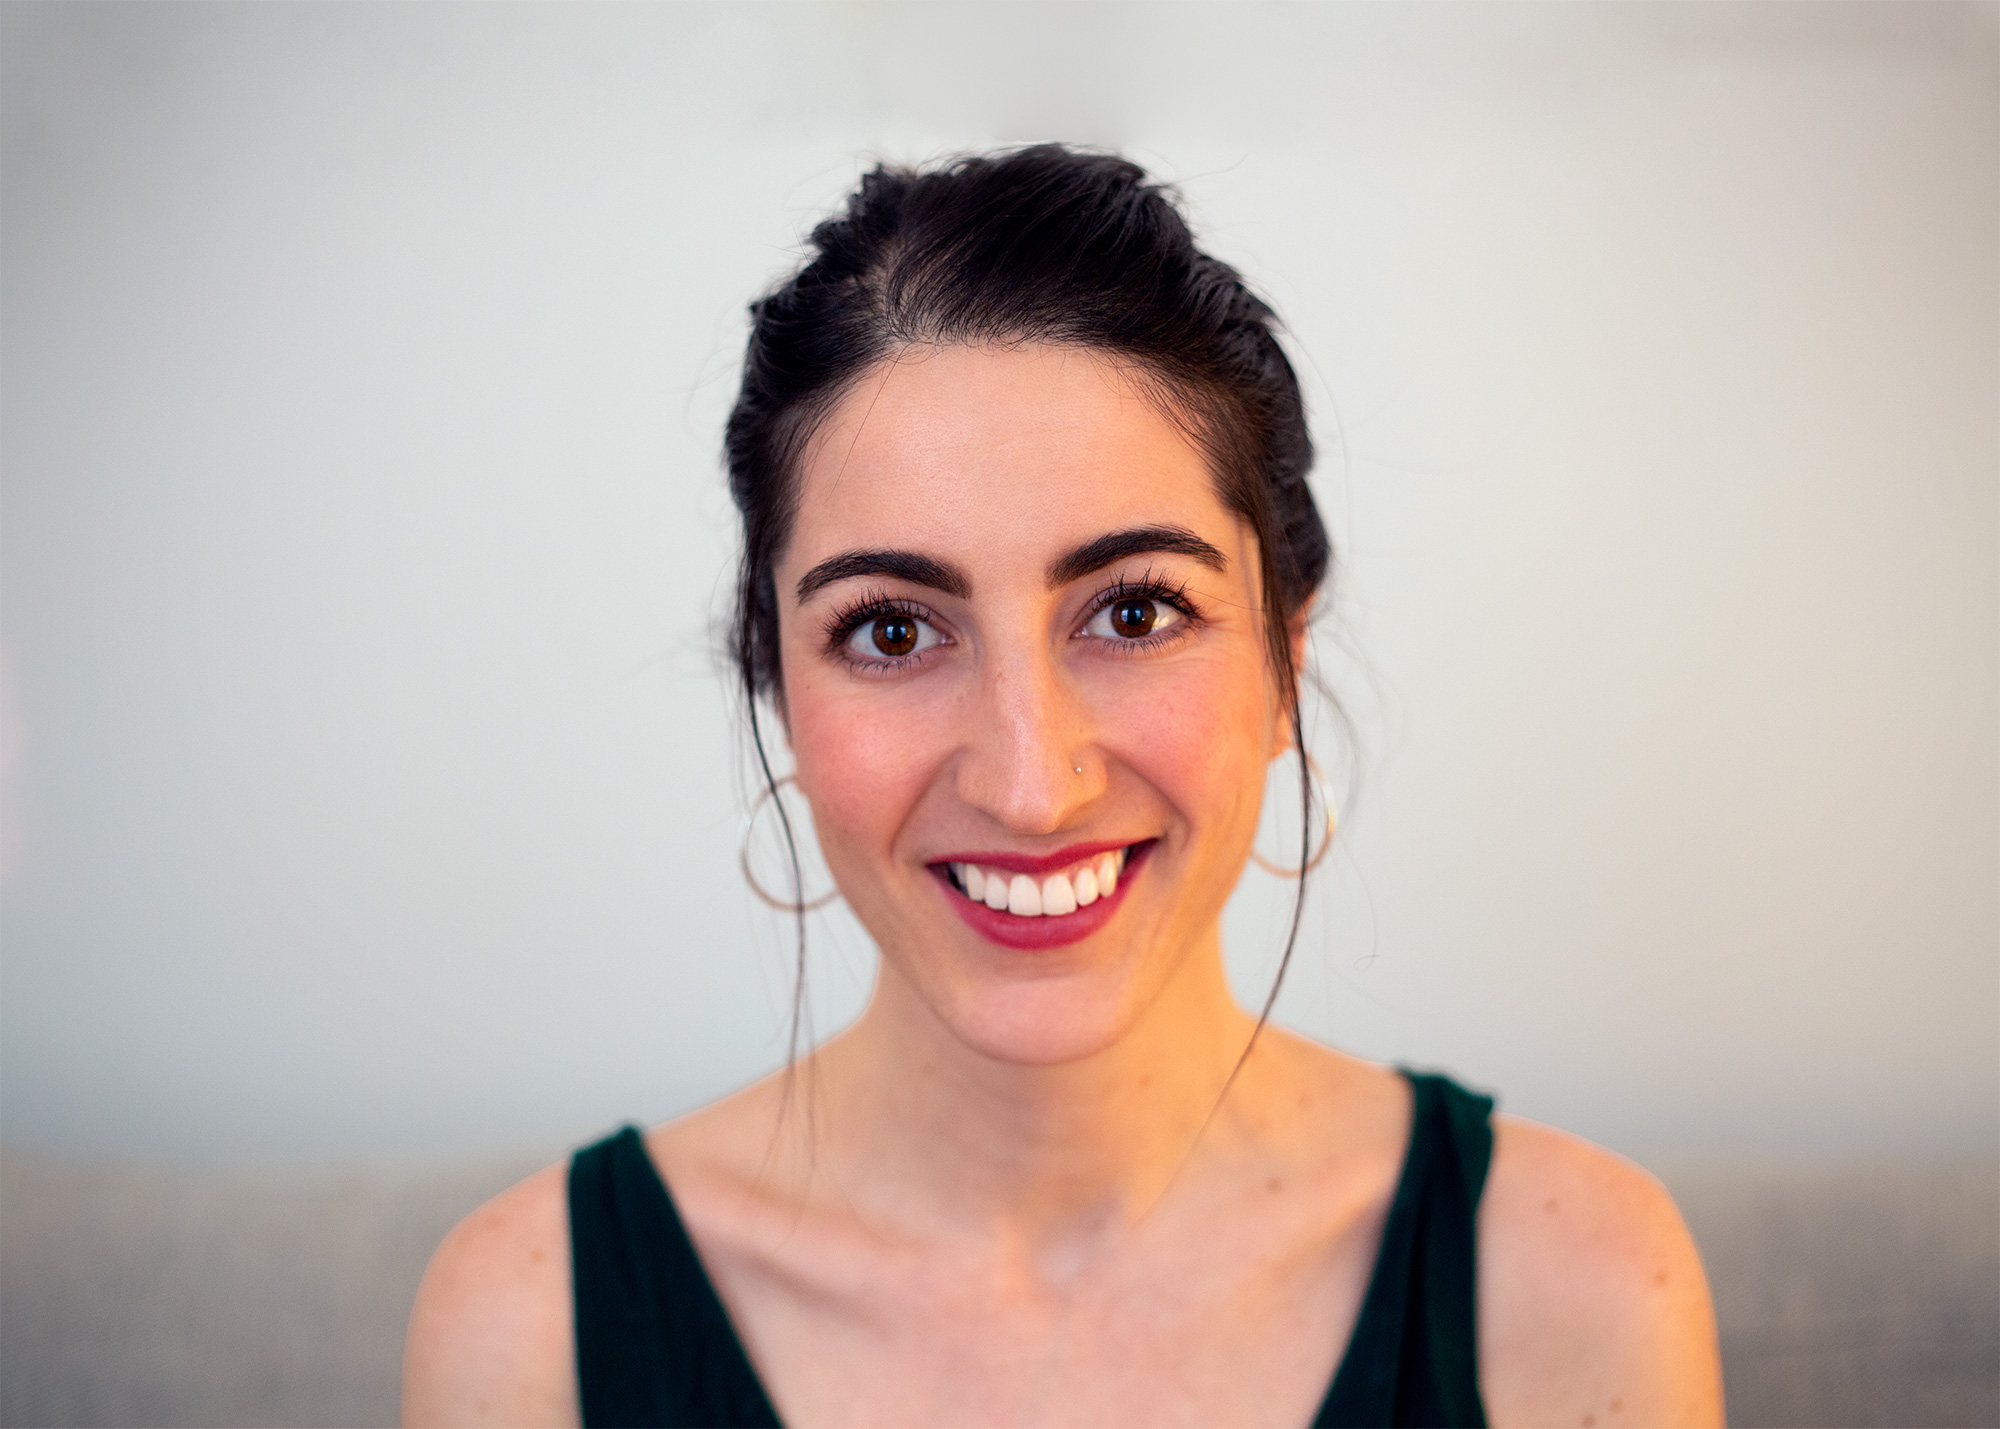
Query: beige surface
{"type": "Point", "coordinates": [1848, 1295]}
{"type": "Point", "coordinates": [133, 1296]}
{"type": "Point", "coordinates": [1853, 1295]}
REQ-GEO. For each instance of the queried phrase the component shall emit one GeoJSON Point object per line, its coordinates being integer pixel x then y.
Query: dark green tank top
{"type": "Point", "coordinates": [654, 1345]}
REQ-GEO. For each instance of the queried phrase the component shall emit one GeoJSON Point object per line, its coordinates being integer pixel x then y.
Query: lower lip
{"type": "Point", "coordinates": [1032, 934]}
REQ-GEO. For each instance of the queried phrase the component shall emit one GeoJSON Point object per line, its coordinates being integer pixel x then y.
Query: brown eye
{"type": "Point", "coordinates": [1133, 618]}
{"type": "Point", "coordinates": [1129, 619]}
{"type": "Point", "coordinates": [894, 635]}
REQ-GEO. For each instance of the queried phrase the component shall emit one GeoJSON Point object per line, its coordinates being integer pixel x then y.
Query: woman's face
{"type": "Point", "coordinates": [1021, 635]}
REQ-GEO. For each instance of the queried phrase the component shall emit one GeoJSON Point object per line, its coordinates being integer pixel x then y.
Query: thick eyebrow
{"type": "Point", "coordinates": [903, 565]}
{"type": "Point", "coordinates": [1138, 541]}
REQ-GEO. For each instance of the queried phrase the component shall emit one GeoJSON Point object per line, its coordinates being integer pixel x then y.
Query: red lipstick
{"type": "Point", "coordinates": [1033, 934]}
{"type": "Point", "coordinates": [1034, 865]}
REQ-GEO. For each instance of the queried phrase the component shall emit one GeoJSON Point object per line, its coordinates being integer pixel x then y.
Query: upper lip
{"type": "Point", "coordinates": [1038, 863]}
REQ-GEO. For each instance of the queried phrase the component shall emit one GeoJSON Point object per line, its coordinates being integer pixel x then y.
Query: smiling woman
{"type": "Point", "coordinates": [1101, 613]}
{"type": "Point", "coordinates": [1028, 558]}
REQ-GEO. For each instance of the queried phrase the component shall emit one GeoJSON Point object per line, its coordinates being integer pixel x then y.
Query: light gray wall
{"type": "Point", "coordinates": [372, 788]}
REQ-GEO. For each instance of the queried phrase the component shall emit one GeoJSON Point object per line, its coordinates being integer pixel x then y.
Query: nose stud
{"type": "Point", "coordinates": [1079, 769]}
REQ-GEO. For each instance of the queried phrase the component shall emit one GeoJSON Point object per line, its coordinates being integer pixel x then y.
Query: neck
{"type": "Point", "coordinates": [934, 1131]}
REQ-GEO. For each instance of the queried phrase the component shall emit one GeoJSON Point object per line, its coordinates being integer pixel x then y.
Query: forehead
{"type": "Point", "coordinates": [989, 454]}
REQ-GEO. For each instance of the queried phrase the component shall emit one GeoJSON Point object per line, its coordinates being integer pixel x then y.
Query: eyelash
{"type": "Point", "coordinates": [862, 610]}
{"type": "Point", "coordinates": [1148, 587]}
{"type": "Point", "coordinates": [875, 605]}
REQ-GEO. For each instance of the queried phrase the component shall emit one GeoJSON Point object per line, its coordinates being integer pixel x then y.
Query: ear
{"type": "Point", "coordinates": [782, 711]}
{"type": "Point", "coordinates": [1298, 632]}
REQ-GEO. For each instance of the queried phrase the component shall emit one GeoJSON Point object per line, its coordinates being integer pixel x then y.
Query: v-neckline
{"type": "Point", "coordinates": [1370, 1313]}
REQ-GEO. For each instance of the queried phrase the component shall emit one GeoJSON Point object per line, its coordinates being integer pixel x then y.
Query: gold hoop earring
{"type": "Point", "coordinates": [783, 905]}
{"type": "Point", "coordinates": [1326, 844]}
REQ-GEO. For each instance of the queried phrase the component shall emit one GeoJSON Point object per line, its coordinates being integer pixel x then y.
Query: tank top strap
{"type": "Point", "coordinates": [654, 1344]}
{"type": "Point", "coordinates": [1414, 1354]}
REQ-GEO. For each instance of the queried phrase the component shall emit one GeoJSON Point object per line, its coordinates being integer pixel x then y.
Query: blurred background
{"type": "Point", "coordinates": [372, 794]}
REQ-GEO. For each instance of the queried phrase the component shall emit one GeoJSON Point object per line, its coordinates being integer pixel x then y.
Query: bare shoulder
{"type": "Point", "coordinates": [1343, 1106]}
{"type": "Point", "coordinates": [1593, 1309]}
{"type": "Point", "coordinates": [491, 1338]}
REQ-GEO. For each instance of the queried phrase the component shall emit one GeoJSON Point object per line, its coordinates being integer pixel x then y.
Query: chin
{"type": "Point", "coordinates": [1047, 1023]}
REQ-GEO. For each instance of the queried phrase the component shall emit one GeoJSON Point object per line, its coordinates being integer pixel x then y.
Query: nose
{"type": "Point", "coordinates": [1027, 758]}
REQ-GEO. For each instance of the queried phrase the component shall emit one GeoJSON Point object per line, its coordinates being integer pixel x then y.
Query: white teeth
{"type": "Point", "coordinates": [1050, 897]}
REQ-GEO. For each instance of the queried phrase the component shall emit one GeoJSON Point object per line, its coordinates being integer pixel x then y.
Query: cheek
{"type": "Point", "coordinates": [863, 758]}
{"type": "Point", "coordinates": [1202, 740]}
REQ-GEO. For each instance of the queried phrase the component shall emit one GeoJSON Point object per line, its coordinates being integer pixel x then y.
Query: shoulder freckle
{"type": "Point", "coordinates": [1595, 1287]}
{"type": "Point", "coordinates": [489, 1337]}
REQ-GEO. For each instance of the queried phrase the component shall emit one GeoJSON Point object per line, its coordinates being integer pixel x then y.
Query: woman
{"type": "Point", "coordinates": [1028, 559]}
